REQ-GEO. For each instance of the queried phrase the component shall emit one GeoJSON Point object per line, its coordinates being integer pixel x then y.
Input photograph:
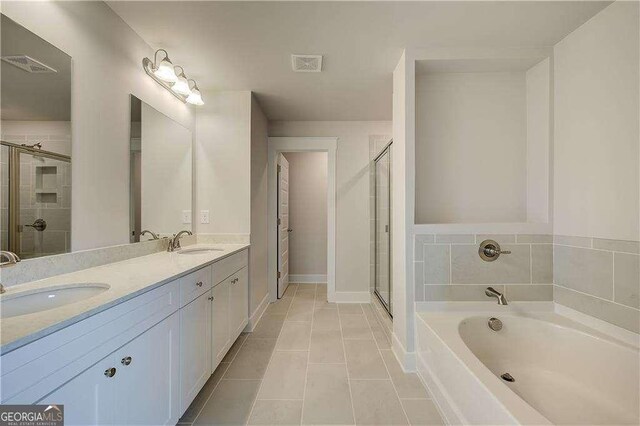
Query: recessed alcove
{"type": "Point", "coordinates": [482, 141]}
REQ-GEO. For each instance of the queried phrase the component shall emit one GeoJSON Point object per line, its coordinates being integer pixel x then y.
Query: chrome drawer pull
{"type": "Point", "coordinates": [110, 372]}
{"type": "Point", "coordinates": [199, 283]}
{"type": "Point", "coordinates": [126, 360]}
{"type": "Point", "coordinates": [210, 298]}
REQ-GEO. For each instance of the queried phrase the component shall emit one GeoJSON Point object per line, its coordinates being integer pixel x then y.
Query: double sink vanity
{"type": "Point", "coordinates": [127, 342]}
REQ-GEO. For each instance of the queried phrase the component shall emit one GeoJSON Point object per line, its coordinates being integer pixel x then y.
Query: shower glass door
{"type": "Point", "coordinates": [35, 207]}
{"type": "Point", "coordinates": [383, 283]}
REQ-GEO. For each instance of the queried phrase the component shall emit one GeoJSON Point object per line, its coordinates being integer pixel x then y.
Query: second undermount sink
{"type": "Point", "coordinates": [28, 302]}
{"type": "Point", "coordinates": [199, 250]}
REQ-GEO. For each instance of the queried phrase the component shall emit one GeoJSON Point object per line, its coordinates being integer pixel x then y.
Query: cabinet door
{"type": "Point", "coordinates": [195, 348]}
{"type": "Point", "coordinates": [239, 290]}
{"type": "Point", "coordinates": [149, 386]}
{"type": "Point", "coordinates": [89, 398]}
{"type": "Point", "coordinates": [220, 322]}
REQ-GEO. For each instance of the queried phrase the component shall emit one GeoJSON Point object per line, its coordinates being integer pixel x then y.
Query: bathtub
{"type": "Point", "coordinates": [565, 372]}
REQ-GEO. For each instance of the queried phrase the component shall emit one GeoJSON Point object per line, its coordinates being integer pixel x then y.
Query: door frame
{"type": "Point", "coordinates": [277, 145]}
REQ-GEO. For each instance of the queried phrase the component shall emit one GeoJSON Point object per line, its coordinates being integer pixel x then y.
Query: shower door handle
{"type": "Point", "coordinates": [386, 228]}
{"type": "Point", "coordinates": [39, 225]}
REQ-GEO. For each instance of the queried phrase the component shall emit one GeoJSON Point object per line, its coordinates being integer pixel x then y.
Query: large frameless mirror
{"type": "Point", "coordinates": [35, 133]}
{"type": "Point", "coordinates": [160, 175]}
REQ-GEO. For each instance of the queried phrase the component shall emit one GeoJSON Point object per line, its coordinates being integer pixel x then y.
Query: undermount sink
{"type": "Point", "coordinates": [199, 250]}
{"type": "Point", "coordinates": [28, 302]}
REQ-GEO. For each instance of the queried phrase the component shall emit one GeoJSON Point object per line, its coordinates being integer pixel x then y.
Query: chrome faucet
{"type": "Point", "coordinates": [11, 257]}
{"type": "Point", "coordinates": [174, 243]}
{"type": "Point", "coordinates": [153, 234]}
{"type": "Point", "coordinates": [492, 292]}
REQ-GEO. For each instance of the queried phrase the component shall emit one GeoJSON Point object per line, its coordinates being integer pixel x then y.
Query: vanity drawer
{"type": "Point", "coordinates": [229, 265]}
{"type": "Point", "coordinates": [194, 285]}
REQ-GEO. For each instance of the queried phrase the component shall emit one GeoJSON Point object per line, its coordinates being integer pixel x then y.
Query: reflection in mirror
{"type": "Point", "coordinates": [35, 154]}
{"type": "Point", "coordinates": [160, 175]}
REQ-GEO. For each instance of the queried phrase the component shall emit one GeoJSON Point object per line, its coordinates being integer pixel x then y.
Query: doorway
{"type": "Point", "coordinates": [383, 285]}
{"type": "Point", "coordinates": [279, 218]}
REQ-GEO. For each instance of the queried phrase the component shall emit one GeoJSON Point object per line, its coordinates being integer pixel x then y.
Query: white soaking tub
{"type": "Point", "coordinates": [564, 371]}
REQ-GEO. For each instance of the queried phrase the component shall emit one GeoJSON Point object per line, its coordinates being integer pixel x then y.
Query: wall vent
{"type": "Point", "coordinates": [306, 63]}
{"type": "Point", "coordinates": [28, 64]}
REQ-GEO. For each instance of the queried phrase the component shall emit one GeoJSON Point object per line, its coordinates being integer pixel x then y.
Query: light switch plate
{"type": "Point", "coordinates": [204, 216]}
{"type": "Point", "coordinates": [186, 216]}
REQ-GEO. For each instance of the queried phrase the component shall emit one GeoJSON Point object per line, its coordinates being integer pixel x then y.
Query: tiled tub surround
{"type": "Point", "coordinates": [127, 279]}
{"type": "Point", "coordinates": [598, 277]}
{"type": "Point", "coordinates": [448, 268]}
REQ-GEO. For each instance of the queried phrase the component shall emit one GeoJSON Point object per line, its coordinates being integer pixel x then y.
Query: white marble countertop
{"type": "Point", "coordinates": [126, 279]}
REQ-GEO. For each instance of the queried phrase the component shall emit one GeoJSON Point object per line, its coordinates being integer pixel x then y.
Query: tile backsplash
{"type": "Point", "coordinates": [448, 267]}
{"type": "Point", "coordinates": [598, 277]}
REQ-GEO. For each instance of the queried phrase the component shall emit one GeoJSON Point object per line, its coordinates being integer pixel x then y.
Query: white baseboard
{"type": "Point", "coordinates": [307, 278]}
{"type": "Point", "coordinates": [406, 359]}
{"type": "Point", "coordinates": [352, 297]}
{"type": "Point", "coordinates": [256, 316]}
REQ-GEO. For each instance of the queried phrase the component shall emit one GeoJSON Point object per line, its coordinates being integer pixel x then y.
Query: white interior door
{"type": "Point", "coordinates": [283, 225]}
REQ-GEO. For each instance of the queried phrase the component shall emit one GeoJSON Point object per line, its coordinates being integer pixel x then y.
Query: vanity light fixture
{"type": "Point", "coordinates": [195, 98]}
{"type": "Point", "coordinates": [164, 73]}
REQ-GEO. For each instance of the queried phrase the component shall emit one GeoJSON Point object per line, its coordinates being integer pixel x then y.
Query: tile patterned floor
{"type": "Point", "coordinates": [313, 362]}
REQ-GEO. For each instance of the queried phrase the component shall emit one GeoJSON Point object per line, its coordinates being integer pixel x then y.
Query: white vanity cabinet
{"type": "Point", "coordinates": [142, 361]}
{"type": "Point", "coordinates": [221, 338]}
{"type": "Point", "coordinates": [195, 347]}
{"type": "Point", "coordinates": [238, 297]}
{"type": "Point", "coordinates": [136, 384]}
{"type": "Point", "coordinates": [230, 304]}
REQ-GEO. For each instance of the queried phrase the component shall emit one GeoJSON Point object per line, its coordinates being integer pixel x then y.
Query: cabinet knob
{"type": "Point", "coordinates": [199, 283]}
{"type": "Point", "coordinates": [126, 360]}
{"type": "Point", "coordinates": [210, 298]}
{"type": "Point", "coordinates": [110, 372]}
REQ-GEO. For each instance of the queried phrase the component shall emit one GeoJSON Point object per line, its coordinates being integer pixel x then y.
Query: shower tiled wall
{"type": "Point", "coordinates": [51, 202]}
{"type": "Point", "coordinates": [599, 277]}
{"type": "Point", "coordinates": [448, 268]}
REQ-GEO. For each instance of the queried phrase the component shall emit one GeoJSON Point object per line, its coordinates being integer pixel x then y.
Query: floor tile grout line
{"type": "Point", "coordinates": [346, 367]}
{"type": "Point", "coordinates": [253, 404]}
{"type": "Point", "coordinates": [217, 384]}
{"type": "Point", "coordinates": [306, 372]}
{"type": "Point", "coordinates": [390, 377]}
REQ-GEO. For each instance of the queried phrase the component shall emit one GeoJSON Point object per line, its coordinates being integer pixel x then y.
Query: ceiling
{"type": "Point", "coordinates": [247, 45]}
{"type": "Point", "coordinates": [33, 97]}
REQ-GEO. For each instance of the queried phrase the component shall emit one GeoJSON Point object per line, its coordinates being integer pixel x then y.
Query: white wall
{"type": "Point", "coordinates": [352, 187]}
{"type": "Point", "coordinates": [538, 135]}
{"type": "Point", "coordinates": [223, 162]}
{"type": "Point", "coordinates": [471, 147]}
{"type": "Point", "coordinates": [258, 252]}
{"type": "Point", "coordinates": [596, 163]}
{"type": "Point", "coordinates": [106, 57]}
{"type": "Point", "coordinates": [307, 213]}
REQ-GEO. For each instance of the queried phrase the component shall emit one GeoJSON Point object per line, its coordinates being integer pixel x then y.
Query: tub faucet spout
{"type": "Point", "coordinates": [492, 292]}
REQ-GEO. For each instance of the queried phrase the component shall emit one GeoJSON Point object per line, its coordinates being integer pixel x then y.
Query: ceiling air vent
{"type": "Point", "coordinates": [306, 63]}
{"type": "Point", "coordinates": [28, 64]}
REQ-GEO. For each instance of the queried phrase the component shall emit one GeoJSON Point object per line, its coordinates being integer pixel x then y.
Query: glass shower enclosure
{"type": "Point", "coordinates": [383, 285]}
{"type": "Point", "coordinates": [35, 201]}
